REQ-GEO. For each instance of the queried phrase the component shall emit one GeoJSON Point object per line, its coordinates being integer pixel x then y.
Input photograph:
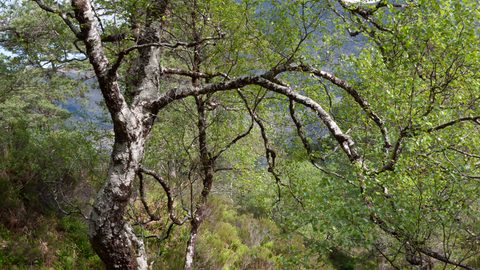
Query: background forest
{"type": "Point", "coordinates": [165, 134]}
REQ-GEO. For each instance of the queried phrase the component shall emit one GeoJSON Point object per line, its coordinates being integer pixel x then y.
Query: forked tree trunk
{"type": "Point", "coordinates": [111, 236]}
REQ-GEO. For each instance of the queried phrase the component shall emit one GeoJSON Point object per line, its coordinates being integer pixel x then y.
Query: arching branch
{"type": "Point", "coordinates": [168, 192]}
{"type": "Point", "coordinates": [182, 91]}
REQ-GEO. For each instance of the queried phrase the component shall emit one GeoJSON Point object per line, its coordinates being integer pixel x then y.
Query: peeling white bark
{"type": "Point", "coordinates": [139, 247]}
{"type": "Point", "coordinates": [190, 251]}
{"type": "Point", "coordinates": [111, 236]}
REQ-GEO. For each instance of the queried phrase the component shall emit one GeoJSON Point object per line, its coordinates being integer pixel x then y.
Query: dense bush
{"type": "Point", "coordinates": [46, 171]}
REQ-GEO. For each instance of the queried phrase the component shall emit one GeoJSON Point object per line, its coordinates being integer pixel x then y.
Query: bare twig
{"type": "Point", "coordinates": [142, 198]}
{"type": "Point", "coordinates": [269, 152]}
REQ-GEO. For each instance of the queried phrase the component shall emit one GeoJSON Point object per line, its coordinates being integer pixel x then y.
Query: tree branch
{"type": "Point", "coordinates": [355, 95]}
{"type": "Point", "coordinates": [402, 237]}
{"type": "Point", "coordinates": [189, 44]}
{"type": "Point", "coordinates": [146, 45]}
{"type": "Point", "coordinates": [192, 74]}
{"type": "Point", "coordinates": [121, 115]}
{"type": "Point", "coordinates": [463, 152]}
{"type": "Point", "coordinates": [168, 192]}
{"type": "Point", "coordinates": [62, 15]}
{"type": "Point", "coordinates": [306, 145]}
{"type": "Point", "coordinates": [444, 259]}
{"type": "Point", "coordinates": [119, 37]}
{"type": "Point", "coordinates": [239, 137]}
{"type": "Point", "coordinates": [366, 12]}
{"type": "Point", "coordinates": [183, 91]}
{"type": "Point", "coordinates": [474, 119]}
{"type": "Point", "coordinates": [269, 152]}
{"type": "Point", "coordinates": [142, 198]}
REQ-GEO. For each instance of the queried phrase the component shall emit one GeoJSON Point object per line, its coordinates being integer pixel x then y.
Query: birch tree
{"type": "Point", "coordinates": [147, 55]}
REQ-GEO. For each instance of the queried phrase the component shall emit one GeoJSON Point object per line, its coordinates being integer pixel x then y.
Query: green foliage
{"type": "Point", "coordinates": [76, 231]}
{"type": "Point", "coordinates": [40, 170]}
{"type": "Point", "coordinates": [228, 239]}
{"type": "Point", "coordinates": [417, 77]}
{"type": "Point", "coordinates": [38, 159]}
{"type": "Point", "coordinates": [418, 70]}
{"type": "Point", "coordinates": [48, 245]}
{"type": "Point", "coordinates": [44, 163]}
{"type": "Point", "coordinates": [37, 73]}
{"type": "Point", "coordinates": [34, 94]}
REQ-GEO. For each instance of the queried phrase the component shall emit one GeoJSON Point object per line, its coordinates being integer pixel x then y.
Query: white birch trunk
{"type": "Point", "coordinates": [111, 236]}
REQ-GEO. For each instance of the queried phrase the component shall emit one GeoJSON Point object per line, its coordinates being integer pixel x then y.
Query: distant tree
{"type": "Point", "coordinates": [408, 112]}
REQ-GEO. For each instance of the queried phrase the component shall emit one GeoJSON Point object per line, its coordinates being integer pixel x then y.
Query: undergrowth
{"type": "Point", "coordinates": [55, 243]}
